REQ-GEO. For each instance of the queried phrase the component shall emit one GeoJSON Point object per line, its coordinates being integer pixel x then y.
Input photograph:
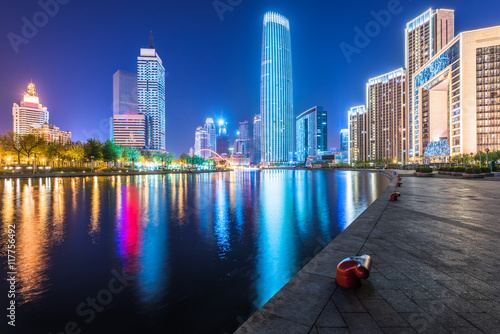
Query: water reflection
{"type": "Point", "coordinates": [219, 244]}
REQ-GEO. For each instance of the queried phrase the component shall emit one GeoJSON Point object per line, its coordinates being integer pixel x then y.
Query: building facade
{"type": "Point", "coordinates": [151, 96]}
{"type": "Point", "coordinates": [456, 97]}
{"type": "Point", "coordinates": [51, 134]}
{"type": "Point", "coordinates": [276, 90]}
{"type": "Point", "coordinates": [201, 143]}
{"type": "Point", "coordinates": [425, 36]}
{"type": "Point", "coordinates": [358, 134]}
{"type": "Point", "coordinates": [212, 135]}
{"type": "Point", "coordinates": [312, 133]}
{"type": "Point", "coordinates": [124, 93]}
{"type": "Point", "coordinates": [130, 130]}
{"type": "Point", "coordinates": [385, 114]}
{"type": "Point", "coordinates": [257, 129]}
{"type": "Point", "coordinates": [222, 139]}
{"type": "Point", "coordinates": [344, 140]}
{"type": "Point", "coordinates": [30, 112]}
{"type": "Point", "coordinates": [243, 147]}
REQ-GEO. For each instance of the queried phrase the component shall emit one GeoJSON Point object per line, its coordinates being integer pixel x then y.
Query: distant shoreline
{"type": "Point", "coordinates": [85, 174]}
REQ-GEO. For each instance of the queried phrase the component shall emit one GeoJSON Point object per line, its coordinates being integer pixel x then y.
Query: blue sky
{"type": "Point", "coordinates": [212, 65]}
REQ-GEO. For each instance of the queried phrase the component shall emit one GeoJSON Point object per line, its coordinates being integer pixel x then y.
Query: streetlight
{"type": "Point", "coordinates": [487, 160]}
{"type": "Point", "coordinates": [8, 161]}
{"type": "Point", "coordinates": [480, 159]}
{"type": "Point", "coordinates": [91, 163]}
{"type": "Point", "coordinates": [471, 163]}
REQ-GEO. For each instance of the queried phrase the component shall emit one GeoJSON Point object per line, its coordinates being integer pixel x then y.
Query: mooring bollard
{"type": "Point", "coordinates": [399, 184]}
{"type": "Point", "coordinates": [400, 178]}
{"type": "Point", "coordinates": [352, 270]}
{"type": "Point", "coordinates": [394, 196]}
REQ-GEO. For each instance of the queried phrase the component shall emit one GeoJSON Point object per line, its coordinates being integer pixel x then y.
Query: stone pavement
{"type": "Point", "coordinates": [436, 256]}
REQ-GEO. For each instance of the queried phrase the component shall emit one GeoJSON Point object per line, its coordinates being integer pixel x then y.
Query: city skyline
{"type": "Point", "coordinates": [336, 97]}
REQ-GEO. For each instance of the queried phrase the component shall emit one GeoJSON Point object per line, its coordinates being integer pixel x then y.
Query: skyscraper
{"type": "Point", "coordinates": [276, 90]}
{"type": "Point", "coordinates": [312, 134]}
{"type": "Point", "coordinates": [257, 129]}
{"type": "Point", "coordinates": [212, 135]}
{"type": "Point", "coordinates": [124, 93]}
{"type": "Point", "coordinates": [358, 136]}
{"type": "Point", "coordinates": [29, 113]}
{"type": "Point", "coordinates": [386, 106]}
{"type": "Point", "coordinates": [243, 146]}
{"type": "Point", "coordinates": [201, 143]}
{"type": "Point", "coordinates": [151, 96]}
{"type": "Point", "coordinates": [344, 140]}
{"type": "Point", "coordinates": [425, 36]}
{"type": "Point", "coordinates": [129, 127]}
{"type": "Point", "coordinates": [222, 139]}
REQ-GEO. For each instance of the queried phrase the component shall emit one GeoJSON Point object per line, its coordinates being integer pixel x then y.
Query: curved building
{"type": "Point", "coordinates": [276, 90]}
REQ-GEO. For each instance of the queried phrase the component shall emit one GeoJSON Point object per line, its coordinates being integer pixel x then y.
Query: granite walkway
{"type": "Point", "coordinates": [436, 255]}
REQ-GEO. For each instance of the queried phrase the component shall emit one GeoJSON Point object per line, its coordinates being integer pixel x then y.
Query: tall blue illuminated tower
{"type": "Point", "coordinates": [276, 90]}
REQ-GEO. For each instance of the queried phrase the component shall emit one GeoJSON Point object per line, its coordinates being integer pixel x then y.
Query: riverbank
{"type": "Point", "coordinates": [434, 255]}
{"type": "Point", "coordinates": [88, 174]}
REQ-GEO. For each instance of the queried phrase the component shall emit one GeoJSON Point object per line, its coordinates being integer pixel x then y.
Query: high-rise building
{"type": "Point", "coordinates": [257, 128]}
{"type": "Point", "coordinates": [344, 140]}
{"type": "Point", "coordinates": [425, 36]}
{"type": "Point", "coordinates": [201, 143]}
{"type": "Point", "coordinates": [130, 130]}
{"type": "Point", "coordinates": [212, 135]}
{"type": "Point", "coordinates": [386, 106]}
{"type": "Point", "coordinates": [222, 139]}
{"type": "Point", "coordinates": [51, 134]}
{"type": "Point", "coordinates": [151, 96]}
{"type": "Point", "coordinates": [29, 112]}
{"type": "Point", "coordinates": [312, 133]}
{"type": "Point", "coordinates": [456, 97]}
{"type": "Point", "coordinates": [244, 136]}
{"type": "Point", "coordinates": [358, 134]}
{"type": "Point", "coordinates": [276, 90]}
{"type": "Point", "coordinates": [124, 93]}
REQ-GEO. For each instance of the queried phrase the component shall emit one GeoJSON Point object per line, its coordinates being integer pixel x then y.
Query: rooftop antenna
{"type": "Point", "coordinates": [151, 45]}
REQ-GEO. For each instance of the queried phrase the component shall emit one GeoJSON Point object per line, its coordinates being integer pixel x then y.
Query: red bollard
{"type": "Point", "coordinates": [394, 196]}
{"type": "Point", "coordinates": [399, 184]}
{"type": "Point", "coordinates": [400, 178]}
{"type": "Point", "coordinates": [352, 270]}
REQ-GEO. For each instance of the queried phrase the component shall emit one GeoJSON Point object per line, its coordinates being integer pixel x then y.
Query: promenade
{"type": "Point", "coordinates": [435, 267]}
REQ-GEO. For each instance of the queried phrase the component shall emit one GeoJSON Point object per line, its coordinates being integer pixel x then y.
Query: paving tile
{"type": "Point", "coordinates": [443, 314]}
{"type": "Point", "coordinates": [399, 301]}
{"type": "Point", "coordinates": [334, 331]}
{"type": "Point", "coordinates": [330, 317]}
{"type": "Point", "coordinates": [265, 323]}
{"type": "Point", "coordinates": [384, 314]}
{"type": "Point", "coordinates": [399, 330]}
{"type": "Point", "coordinates": [424, 323]}
{"type": "Point", "coordinates": [346, 301]}
{"type": "Point", "coordinates": [483, 322]}
{"type": "Point", "coordinates": [361, 323]}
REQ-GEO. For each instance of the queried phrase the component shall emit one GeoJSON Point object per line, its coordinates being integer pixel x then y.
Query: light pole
{"type": "Point", "coordinates": [463, 162]}
{"type": "Point", "coordinates": [480, 159]}
{"type": "Point", "coordinates": [487, 160]}
{"type": "Point", "coordinates": [471, 161]}
{"type": "Point", "coordinates": [91, 163]}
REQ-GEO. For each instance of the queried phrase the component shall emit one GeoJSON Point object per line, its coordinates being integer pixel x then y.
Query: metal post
{"type": "Point", "coordinates": [92, 164]}
{"type": "Point", "coordinates": [471, 161]}
{"type": "Point", "coordinates": [488, 160]}
{"type": "Point", "coordinates": [133, 161]}
{"type": "Point", "coordinates": [34, 165]}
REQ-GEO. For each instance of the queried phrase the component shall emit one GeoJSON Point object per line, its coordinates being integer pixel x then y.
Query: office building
{"type": "Point", "coordinates": [212, 135]}
{"type": "Point", "coordinates": [257, 128]}
{"type": "Point", "coordinates": [386, 106]}
{"type": "Point", "coordinates": [344, 140]}
{"type": "Point", "coordinates": [312, 133]}
{"type": "Point", "coordinates": [151, 96]}
{"type": "Point", "coordinates": [201, 143]}
{"type": "Point", "coordinates": [222, 139]}
{"type": "Point", "coordinates": [358, 134]}
{"type": "Point", "coordinates": [276, 90]}
{"type": "Point", "coordinates": [124, 93]}
{"type": "Point", "coordinates": [130, 130]}
{"type": "Point", "coordinates": [243, 147]}
{"type": "Point", "coordinates": [29, 112]}
{"type": "Point", "coordinates": [456, 97]}
{"type": "Point", "coordinates": [51, 134]}
{"type": "Point", "coordinates": [425, 36]}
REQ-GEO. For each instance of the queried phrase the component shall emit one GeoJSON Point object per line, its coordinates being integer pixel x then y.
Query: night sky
{"type": "Point", "coordinates": [212, 65]}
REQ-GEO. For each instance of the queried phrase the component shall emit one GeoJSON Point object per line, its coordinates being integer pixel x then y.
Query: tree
{"type": "Point", "coordinates": [75, 152]}
{"type": "Point", "coordinates": [130, 153]}
{"type": "Point", "coordinates": [167, 157]}
{"type": "Point", "coordinates": [111, 152]}
{"type": "Point", "coordinates": [53, 151]}
{"type": "Point", "coordinates": [186, 159]}
{"type": "Point", "coordinates": [31, 144]}
{"type": "Point", "coordinates": [93, 148]}
{"type": "Point", "coordinates": [11, 143]}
